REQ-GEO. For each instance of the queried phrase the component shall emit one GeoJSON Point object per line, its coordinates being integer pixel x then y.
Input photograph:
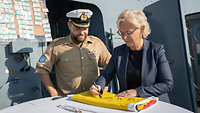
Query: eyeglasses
{"type": "Point", "coordinates": [125, 34]}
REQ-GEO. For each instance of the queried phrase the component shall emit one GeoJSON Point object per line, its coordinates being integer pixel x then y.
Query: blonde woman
{"type": "Point", "coordinates": [141, 65]}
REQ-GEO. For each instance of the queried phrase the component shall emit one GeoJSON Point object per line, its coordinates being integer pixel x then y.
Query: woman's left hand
{"type": "Point", "coordinates": [128, 93]}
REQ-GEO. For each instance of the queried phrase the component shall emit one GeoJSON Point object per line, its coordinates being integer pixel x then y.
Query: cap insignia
{"type": "Point", "coordinates": [83, 17]}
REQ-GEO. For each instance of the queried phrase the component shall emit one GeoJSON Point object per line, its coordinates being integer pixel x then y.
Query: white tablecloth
{"type": "Point", "coordinates": [47, 105]}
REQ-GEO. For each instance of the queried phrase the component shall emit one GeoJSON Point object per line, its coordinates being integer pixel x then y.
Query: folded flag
{"type": "Point", "coordinates": [109, 100]}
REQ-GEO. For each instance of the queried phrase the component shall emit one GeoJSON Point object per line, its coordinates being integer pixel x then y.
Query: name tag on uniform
{"type": "Point", "coordinates": [93, 52]}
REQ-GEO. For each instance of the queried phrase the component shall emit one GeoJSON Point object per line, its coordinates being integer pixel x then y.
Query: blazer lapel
{"type": "Point", "coordinates": [145, 64]}
{"type": "Point", "coordinates": [123, 60]}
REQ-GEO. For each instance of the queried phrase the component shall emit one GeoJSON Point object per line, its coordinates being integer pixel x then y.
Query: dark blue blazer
{"type": "Point", "coordinates": [156, 76]}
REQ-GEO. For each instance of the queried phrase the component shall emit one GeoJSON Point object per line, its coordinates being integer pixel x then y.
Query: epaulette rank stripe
{"type": "Point", "coordinates": [55, 40]}
{"type": "Point", "coordinates": [95, 37]}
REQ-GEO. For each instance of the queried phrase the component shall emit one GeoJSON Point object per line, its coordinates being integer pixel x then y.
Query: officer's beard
{"type": "Point", "coordinates": [77, 39]}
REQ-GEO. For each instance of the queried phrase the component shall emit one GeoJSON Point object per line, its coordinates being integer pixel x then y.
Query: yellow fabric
{"type": "Point", "coordinates": [108, 100]}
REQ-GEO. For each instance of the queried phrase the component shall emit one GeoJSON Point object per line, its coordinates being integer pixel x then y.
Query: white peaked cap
{"type": "Point", "coordinates": [78, 12]}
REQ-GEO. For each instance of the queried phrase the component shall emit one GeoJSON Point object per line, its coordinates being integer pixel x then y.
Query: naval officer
{"type": "Point", "coordinates": [75, 57]}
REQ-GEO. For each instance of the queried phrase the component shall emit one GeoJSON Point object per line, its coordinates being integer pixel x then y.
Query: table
{"type": "Point", "coordinates": [47, 105]}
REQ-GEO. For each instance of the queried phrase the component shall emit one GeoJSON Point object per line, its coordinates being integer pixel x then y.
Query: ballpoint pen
{"type": "Point", "coordinates": [55, 98]}
{"type": "Point", "coordinates": [97, 88]}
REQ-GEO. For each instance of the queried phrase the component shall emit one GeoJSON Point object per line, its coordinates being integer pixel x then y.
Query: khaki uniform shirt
{"type": "Point", "coordinates": [76, 67]}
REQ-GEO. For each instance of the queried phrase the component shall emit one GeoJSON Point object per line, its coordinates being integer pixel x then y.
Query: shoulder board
{"type": "Point", "coordinates": [55, 40]}
{"type": "Point", "coordinates": [95, 37]}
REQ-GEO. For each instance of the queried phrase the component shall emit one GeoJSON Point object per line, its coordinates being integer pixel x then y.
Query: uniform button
{"type": "Point", "coordinates": [83, 67]}
{"type": "Point", "coordinates": [66, 59]}
{"type": "Point", "coordinates": [83, 88]}
{"type": "Point", "coordinates": [83, 77]}
{"type": "Point", "coordinates": [81, 57]}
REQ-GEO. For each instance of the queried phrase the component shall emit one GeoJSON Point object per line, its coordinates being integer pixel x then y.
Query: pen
{"type": "Point", "coordinates": [55, 98]}
{"type": "Point", "coordinates": [97, 88]}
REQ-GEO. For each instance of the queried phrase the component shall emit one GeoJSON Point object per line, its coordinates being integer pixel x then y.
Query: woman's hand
{"type": "Point", "coordinates": [128, 93]}
{"type": "Point", "coordinates": [95, 91]}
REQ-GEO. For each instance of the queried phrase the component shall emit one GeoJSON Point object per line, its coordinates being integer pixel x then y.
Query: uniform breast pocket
{"type": "Point", "coordinates": [93, 61]}
{"type": "Point", "coordinates": [67, 64]}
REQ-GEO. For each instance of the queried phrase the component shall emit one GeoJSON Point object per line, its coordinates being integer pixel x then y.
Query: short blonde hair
{"type": "Point", "coordinates": [136, 18]}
